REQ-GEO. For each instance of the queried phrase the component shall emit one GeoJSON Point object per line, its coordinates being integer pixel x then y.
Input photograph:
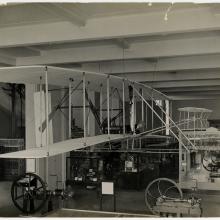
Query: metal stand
{"type": "Point", "coordinates": [105, 193]}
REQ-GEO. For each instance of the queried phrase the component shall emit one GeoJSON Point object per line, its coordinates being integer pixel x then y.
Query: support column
{"type": "Point", "coordinates": [41, 112]}
{"type": "Point", "coordinates": [65, 155]}
{"type": "Point", "coordinates": [146, 115]}
{"type": "Point", "coordinates": [100, 106]}
{"type": "Point", "coordinates": [91, 118]}
{"type": "Point", "coordinates": [180, 162]}
{"type": "Point", "coordinates": [134, 109]}
{"type": "Point", "coordinates": [30, 133]}
{"type": "Point", "coordinates": [13, 111]}
{"type": "Point", "coordinates": [167, 110]}
{"type": "Point", "coordinates": [65, 126]}
{"type": "Point", "coordinates": [84, 107]}
{"type": "Point", "coordinates": [152, 112]}
{"type": "Point", "coordinates": [142, 106]}
{"type": "Point", "coordinates": [88, 133]}
{"type": "Point", "coordinates": [70, 109]}
{"type": "Point", "coordinates": [123, 104]}
{"type": "Point", "coordinates": [47, 127]}
{"type": "Point", "coordinates": [108, 105]}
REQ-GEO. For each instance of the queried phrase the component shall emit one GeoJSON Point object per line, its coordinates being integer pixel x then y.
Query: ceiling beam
{"type": "Point", "coordinates": [59, 10]}
{"type": "Point", "coordinates": [126, 26]}
{"type": "Point", "coordinates": [139, 50]}
{"type": "Point", "coordinates": [122, 43]}
{"type": "Point", "coordinates": [194, 97]}
{"type": "Point", "coordinates": [194, 93]}
{"type": "Point", "coordinates": [8, 61]}
{"type": "Point", "coordinates": [163, 64]}
{"type": "Point", "coordinates": [176, 76]}
{"type": "Point", "coordinates": [190, 89]}
{"type": "Point", "coordinates": [35, 50]}
{"type": "Point", "coordinates": [193, 83]}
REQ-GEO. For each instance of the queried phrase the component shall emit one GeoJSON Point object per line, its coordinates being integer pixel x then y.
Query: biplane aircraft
{"type": "Point", "coordinates": [54, 76]}
{"type": "Point", "coordinates": [48, 78]}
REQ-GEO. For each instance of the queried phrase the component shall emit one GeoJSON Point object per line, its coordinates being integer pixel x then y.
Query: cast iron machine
{"type": "Point", "coordinates": [211, 163]}
{"type": "Point", "coordinates": [29, 193]}
{"type": "Point", "coordinates": [163, 197]}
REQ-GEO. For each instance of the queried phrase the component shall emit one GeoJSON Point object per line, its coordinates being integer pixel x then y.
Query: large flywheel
{"type": "Point", "coordinates": [29, 193]}
{"type": "Point", "coordinates": [159, 190]}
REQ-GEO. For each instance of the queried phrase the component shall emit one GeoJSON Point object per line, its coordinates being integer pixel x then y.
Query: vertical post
{"type": "Point", "coordinates": [84, 106]}
{"type": "Point", "coordinates": [123, 100]}
{"type": "Point", "coordinates": [188, 117]}
{"type": "Point", "coordinates": [111, 102]}
{"type": "Point", "coordinates": [41, 120]}
{"type": "Point", "coordinates": [114, 198]}
{"type": "Point", "coordinates": [100, 107]}
{"type": "Point", "coordinates": [167, 110]}
{"type": "Point", "coordinates": [70, 109]}
{"type": "Point", "coordinates": [180, 160]}
{"type": "Point", "coordinates": [47, 111]}
{"type": "Point", "coordinates": [88, 110]}
{"type": "Point", "coordinates": [108, 113]}
{"type": "Point", "coordinates": [194, 127]}
{"type": "Point", "coordinates": [171, 109]}
{"type": "Point", "coordinates": [47, 124]}
{"type": "Point", "coordinates": [21, 106]}
{"type": "Point", "coordinates": [134, 110]}
{"type": "Point", "coordinates": [201, 121]}
{"type": "Point", "coordinates": [152, 112]}
{"type": "Point", "coordinates": [134, 115]}
{"type": "Point", "coordinates": [13, 111]}
{"type": "Point", "coordinates": [142, 106]}
{"type": "Point", "coordinates": [146, 121]}
{"type": "Point", "coordinates": [180, 118]}
{"type": "Point", "coordinates": [100, 207]}
{"type": "Point", "coordinates": [64, 156]}
{"type": "Point", "coordinates": [184, 125]}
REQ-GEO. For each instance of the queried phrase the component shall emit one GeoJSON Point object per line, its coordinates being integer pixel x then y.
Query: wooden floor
{"type": "Point", "coordinates": [86, 213]}
{"type": "Point", "coordinates": [128, 201]}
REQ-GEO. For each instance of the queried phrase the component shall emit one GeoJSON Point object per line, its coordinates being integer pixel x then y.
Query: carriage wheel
{"type": "Point", "coordinates": [161, 188]}
{"type": "Point", "coordinates": [28, 193]}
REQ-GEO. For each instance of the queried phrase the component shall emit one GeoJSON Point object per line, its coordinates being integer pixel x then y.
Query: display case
{"type": "Point", "coordinates": [11, 168]}
{"type": "Point", "coordinates": [84, 170]}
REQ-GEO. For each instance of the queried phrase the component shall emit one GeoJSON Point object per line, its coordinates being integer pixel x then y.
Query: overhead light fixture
{"type": "Point", "coordinates": [3, 3]}
{"type": "Point", "coordinates": [167, 11]}
{"type": "Point", "coordinates": [165, 17]}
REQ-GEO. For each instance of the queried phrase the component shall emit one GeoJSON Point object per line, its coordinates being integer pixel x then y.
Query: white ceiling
{"type": "Point", "coordinates": [129, 39]}
{"type": "Point", "coordinates": [20, 14]}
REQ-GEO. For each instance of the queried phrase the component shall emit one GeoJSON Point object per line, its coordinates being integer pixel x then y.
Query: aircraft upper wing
{"type": "Point", "coordinates": [64, 146]}
{"type": "Point", "coordinates": [58, 76]}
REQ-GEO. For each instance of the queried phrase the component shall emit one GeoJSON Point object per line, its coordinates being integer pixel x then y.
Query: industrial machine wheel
{"type": "Point", "coordinates": [161, 189]}
{"type": "Point", "coordinates": [28, 193]}
{"type": "Point", "coordinates": [207, 162]}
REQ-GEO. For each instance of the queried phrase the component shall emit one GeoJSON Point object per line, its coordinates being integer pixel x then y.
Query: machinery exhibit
{"type": "Point", "coordinates": [199, 166]}
{"type": "Point", "coordinates": [109, 109]}
{"type": "Point", "coordinates": [168, 201]}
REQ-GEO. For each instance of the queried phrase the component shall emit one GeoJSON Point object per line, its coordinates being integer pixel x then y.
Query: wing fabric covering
{"type": "Point", "coordinates": [63, 146]}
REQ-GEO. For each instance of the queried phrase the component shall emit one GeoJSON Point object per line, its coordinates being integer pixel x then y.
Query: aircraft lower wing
{"type": "Point", "coordinates": [63, 147]}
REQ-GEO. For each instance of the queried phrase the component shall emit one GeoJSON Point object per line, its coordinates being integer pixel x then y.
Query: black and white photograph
{"type": "Point", "coordinates": [109, 109]}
